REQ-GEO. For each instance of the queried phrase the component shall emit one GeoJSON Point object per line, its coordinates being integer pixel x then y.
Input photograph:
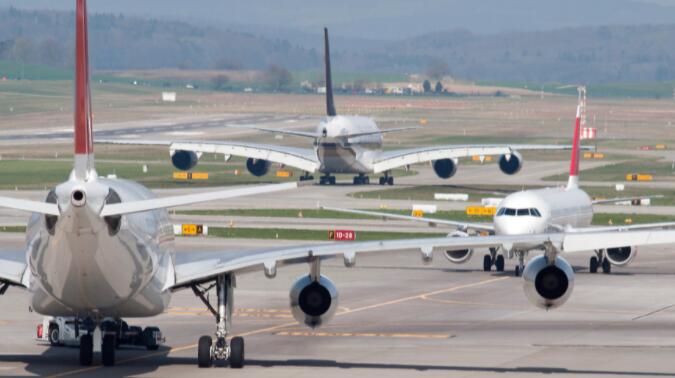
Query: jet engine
{"type": "Point", "coordinates": [313, 302]}
{"type": "Point", "coordinates": [445, 168]}
{"type": "Point", "coordinates": [184, 160]}
{"type": "Point", "coordinates": [548, 285]}
{"type": "Point", "coordinates": [257, 167]}
{"type": "Point", "coordinates": [621, 256]}
{"type": "Point", "coordinates": [511, 163]}
{"type": "Point", "coordinates": [458, 256]}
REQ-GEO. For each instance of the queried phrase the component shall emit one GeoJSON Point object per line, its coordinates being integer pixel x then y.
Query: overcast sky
{"type": "Point", "coordinates": [384, 19]}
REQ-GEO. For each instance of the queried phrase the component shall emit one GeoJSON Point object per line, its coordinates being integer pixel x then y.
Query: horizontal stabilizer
{"type": "Point", "coordinates": [303, 134]}
{"type": "Point", "coordinates": [29, 206]}
{"type": "Point", "coordinates": [166, 202]}
{"type": "Point", "coordinates": [378, 132]}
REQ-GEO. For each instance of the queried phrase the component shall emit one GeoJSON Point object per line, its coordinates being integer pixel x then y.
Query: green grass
{"type": "Point", "coordinates": [297, 234]}
{"type": "Point", "coordinates": [651, 90]}
{"type": "Point", "coordinates": [605, 219]}
{"type": "Point", "coordinates": [660, 170]}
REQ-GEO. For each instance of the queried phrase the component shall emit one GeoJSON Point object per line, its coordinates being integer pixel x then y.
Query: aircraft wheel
{"type": "Point", "coordinates": [366, 180]}
{"type": "Point", "coordinates": [357, 180]}
{"type": "Point", "coordinates": [86, 349]}
{"type": "Point", "coordinates": [383, 180]}
{"type": "Point", "coordinates": [108, 350]}
{"type": "Point", "coordinates": [593, 264]}
{"type": "Point", "coordinates": [237, 352]}
{"type": "Point", "coordinates": [331, 180]}
{"type": "Point", "coordinates": [606, 266]}
{"type": "Point", "coordinates": [499, 263]}
{"type": "Point", "coordinates": [390, 180]}
{"type": "Point", "coordinates": [517, 271]}
{"type": "Point", "coordinates": [204, 358]}
{"type": "Point", "coordinates": [487, 263]}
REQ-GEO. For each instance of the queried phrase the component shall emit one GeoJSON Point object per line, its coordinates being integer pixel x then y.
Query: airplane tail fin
{"type": "Point", "coordinates": [573, 181]}
{"type": "Point", "coordinates": [83, 138]}
{"type": "Point", "coordinates": [330, 105]}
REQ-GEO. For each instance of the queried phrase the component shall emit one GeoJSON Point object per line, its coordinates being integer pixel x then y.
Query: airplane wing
{"type": "Point", "coordinates": [398, 158]}
{"type": "Point", "coordinates": [12, 267]}
{"type": "Point", "coordinates": [194, 268]}
{"type": "Point", "coordinates": [301, 158]}
{"type": "Point", "coordinates": [624, 199]}
{"type": "Point", "coordinates": [430, 221]}
{"type": "Point", "coordinates": [625, 227]}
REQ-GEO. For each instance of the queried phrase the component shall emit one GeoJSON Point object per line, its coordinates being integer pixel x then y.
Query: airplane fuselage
{"type": "Point", "coordinates": [338, 152]}
{"type": "Point", "coordinates": [84, 265]}
{"type": "Point", "coordinates": [542, 210]}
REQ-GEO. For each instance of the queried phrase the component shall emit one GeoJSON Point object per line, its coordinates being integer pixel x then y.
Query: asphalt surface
{"type": "Point", "coordinates": [401, 318]}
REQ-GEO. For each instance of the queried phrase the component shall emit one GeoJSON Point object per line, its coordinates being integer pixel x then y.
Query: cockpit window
{"type": "Point", "coordinates": [510, 212]}
{"type": "Point", "coordinates": [535, 213]}
{"type": "Point", "coordinates": [500, 212]}
{"type": "Point", "coordinates": [523, 212]}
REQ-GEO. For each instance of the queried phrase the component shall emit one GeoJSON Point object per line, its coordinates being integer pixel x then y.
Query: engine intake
{"type": "Point", "coordinates": [458, 256]}
{"type": "Point", "coordinates": [257, 167]}
{"type": "Point", "coordinates": [313, 302]}
{"type": "Point", "coordinates": [621, 256]}
{"type": "Point", "coordinates": [511, 163]}
{"type": "Point", "coordinates": [184, 160]}
{"type": "Point", "coordinates": [445, 168]}
{"type": "Point", "coordinates": [548, 285]}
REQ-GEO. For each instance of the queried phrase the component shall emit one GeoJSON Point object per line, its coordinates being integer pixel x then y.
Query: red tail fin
{"type": "Point", "coordinates": [84, 148]}
{"type": "Point", "coordinates": [574, 158]}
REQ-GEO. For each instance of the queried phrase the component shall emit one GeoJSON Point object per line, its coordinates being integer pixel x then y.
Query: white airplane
{"type": "Point", "coordinates": [100, 248]}
{"type": "Point", "coordinates": [342, 144]}
{"type": "Point", "coordinates": [567, 209]}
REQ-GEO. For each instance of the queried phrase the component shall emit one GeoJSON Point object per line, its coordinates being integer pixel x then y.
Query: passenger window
{"type": "Point", "coordinates": [523, 212]}
{"type": "Point", "coordinates": [501, 212]}
{"type": "Point", "coordinates": [510, 212]}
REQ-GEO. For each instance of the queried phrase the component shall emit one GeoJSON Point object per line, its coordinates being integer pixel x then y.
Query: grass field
{"type": "Point", "coordinates": [660, 170]}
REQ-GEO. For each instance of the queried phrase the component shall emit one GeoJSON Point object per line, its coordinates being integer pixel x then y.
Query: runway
{"type": "Point", "coordinates": [402, 318]}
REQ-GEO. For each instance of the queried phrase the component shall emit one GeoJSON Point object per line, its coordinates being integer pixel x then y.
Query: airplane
{"type": "Point", "coordinates": [341, 144]}
{"type": "Point", "coordinates": [102, 248]}
{"type": "Point", "coordinates": [568, 209]}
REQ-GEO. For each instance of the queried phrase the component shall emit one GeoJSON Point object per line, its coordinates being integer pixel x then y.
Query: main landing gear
{"type": "Point", "coordinates": [306, 177]}
{"type": "Point", "coordinates": [521, 263]}
{"type": "Point", "coordinates": [327, 180]}
{"type": "Point", "coordinates": [386, 179]}
{"type": "Point", "coordinates": [493, 259]}
{"type": "Point", "coordinates": [361, 179]}
{"type": "Point", "coordinates": [207, 350]}
{"type": "Point", "coordinates": [600, 261]}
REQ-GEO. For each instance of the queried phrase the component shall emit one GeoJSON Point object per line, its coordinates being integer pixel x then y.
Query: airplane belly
{"type": "Point", "coordinates": [94, 272]}
{"type": "Point", "coordinates": [338, 159]}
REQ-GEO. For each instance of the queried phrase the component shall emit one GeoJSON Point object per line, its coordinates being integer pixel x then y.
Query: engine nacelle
{"type": "Point", "coordinates": [458, 256]}
{"type": "Point", "coordinates": [511, 163]}
{"type": "Point", "coordinates": [257, 167]}
{"type": "Point", "coordinates": [445, 168]}
{"type": "Point", "coordinates": [184, 160]}
{"type": "Point", "coordinates": [621, 256]}
{"type": "Point", "coordinates": [313, 303]}
{"type": "Point", "coordinates": [548, 285]}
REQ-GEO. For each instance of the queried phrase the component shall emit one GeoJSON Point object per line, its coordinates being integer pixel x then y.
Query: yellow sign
{"type": "Point", "coordinates": [598, 155]}
{"type": "Point", "coordinates": [481, 210]}
{"type": "Point", "coordinates": [192, 229]}
{"type": "Point", "coordinates": [423, 121]}
{"type": "Point", "coordinates": [588, 155]}
{"type": "Point", "coordinates": [418, 213]}
{"type": "Point", "coordinates": [660, 146]}
{"type": "Point", "coordinates": [284, 173]}
{"type": "Point", "coordinates": [200, 176]}
{"type": "Point", "coordinates": [180, 175]}
{"type": "Point", "coordinates": [638, 177]}
{"type": "Point", "coordinates": [190, 176]}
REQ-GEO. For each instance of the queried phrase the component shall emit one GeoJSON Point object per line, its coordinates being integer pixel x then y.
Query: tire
{"type": "Point", "coordinates": [366, 180]}
{"type": "Point", "coordinates": [606, 266]}
{"type": "Point", "coordinates": [108, 350]}
{"type": "Point", "coordinates": [357, 181]}
{"type": "Point", "coordinates": [86, 350]}
{"type": "Point", "coordinates": [390, 181]}
{"type": "Point", "coordinates": [237, 352]}
{"type": "Point", "coordinates": [382, 181]}
{"type": "Point", "coordinates": [487, 263]}
{"type": "Point", "coordinates": [499, 263]}
{"type": "Point", "coordinates": [593, 265]}
{"type": "Point", "coordinates": [332, 180]}
{"type": "Point", "coordinates": [53, 335]}
{"type": "Point", "coordinates": [517, 271]}
{"type": "Point", "coordinates": [149, 339]}
{"type": "Point", "coordinates": [204, 359]}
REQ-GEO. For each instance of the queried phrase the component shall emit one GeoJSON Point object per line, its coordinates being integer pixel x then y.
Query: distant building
{"type": "Point", "coordinates": [169, 96]}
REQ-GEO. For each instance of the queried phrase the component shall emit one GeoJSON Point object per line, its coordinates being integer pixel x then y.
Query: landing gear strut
{"type": "Point", "coordinates": [521, 263]}
{"type": "Point", "coordinates": [493, 259]}
{"type": "Point", "coordinates": [600, 260]}
{"type": "Point", "coordinates": [208, 351]}
{"type": "Point", "coordinates": [361, 179]}
{"type": "Point", "coordinates": [327, 180]}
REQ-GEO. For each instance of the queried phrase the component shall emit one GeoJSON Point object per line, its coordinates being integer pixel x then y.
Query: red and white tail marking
{"type": "Point", "coordinates": [83, 138]}
{"type": "Point", "coordinates": [574, 158]}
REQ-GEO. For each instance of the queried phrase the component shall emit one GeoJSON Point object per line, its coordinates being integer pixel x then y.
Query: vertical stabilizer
{"type": "Point", "coordinates": [573, 181]}
{"type": "Point", "coordinates": [83, 138]}
{"type": "Point", "coordinates": [330, 105]}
